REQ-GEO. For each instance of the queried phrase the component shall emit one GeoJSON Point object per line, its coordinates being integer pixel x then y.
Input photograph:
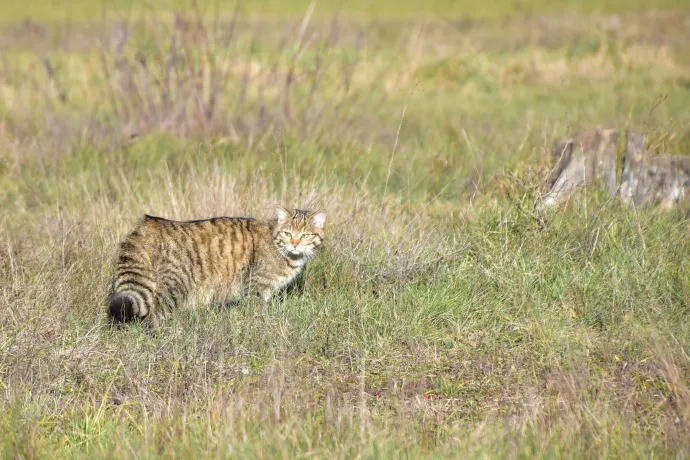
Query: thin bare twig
{"type": "Point", "coordinates": [51, 74]}
{"type": "Point", "coordinates": [395, 145]}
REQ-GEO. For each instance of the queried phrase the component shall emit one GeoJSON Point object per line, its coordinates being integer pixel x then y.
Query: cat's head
{"type": "Point", "coordinates": [298, 232]}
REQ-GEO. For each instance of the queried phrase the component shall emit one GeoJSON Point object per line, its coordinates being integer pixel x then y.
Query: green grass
{"type": "Point", "coordinates": [442, 318]}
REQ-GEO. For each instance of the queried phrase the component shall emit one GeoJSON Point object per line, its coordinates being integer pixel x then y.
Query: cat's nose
{"type": "Point", "coordinates": [295, 241]}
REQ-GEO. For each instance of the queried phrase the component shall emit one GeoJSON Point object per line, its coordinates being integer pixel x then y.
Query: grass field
{"type": "Point", "coordinates": [443, 318]}
{"type": "Point", "coordinates": [86, 10]}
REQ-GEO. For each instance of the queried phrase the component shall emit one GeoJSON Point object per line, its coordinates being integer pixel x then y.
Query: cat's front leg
{"type": "Point", "coordinates": [230, 303]}
{"type": "Point", "coordinates": [153, 323]}
{"type": "Point", "coordinates": [266, 294]}
{"type": "Point", "coordinates": [229, 296]}
{"type": "Point", "coordinates": [264, 291]}
{"type": "Point", "coordinates": [260, 287]}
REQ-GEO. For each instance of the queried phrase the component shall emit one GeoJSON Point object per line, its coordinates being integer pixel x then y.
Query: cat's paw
{"type": "Point", "coordinates": [230, 303]}
{"type": "Point", "coordinates": [152, 325]}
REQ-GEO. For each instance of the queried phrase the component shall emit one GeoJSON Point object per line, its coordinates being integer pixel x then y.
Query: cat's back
{"type": "Point", "coordinates": [217, 244]}
{"type": "Point", "coordinates": [156, 228]}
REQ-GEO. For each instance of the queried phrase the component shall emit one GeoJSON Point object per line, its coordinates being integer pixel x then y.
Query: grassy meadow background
{"type": "Point", "coordinates": [444, 317]}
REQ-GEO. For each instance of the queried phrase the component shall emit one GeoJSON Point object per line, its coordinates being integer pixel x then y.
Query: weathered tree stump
{"type": "Point", "coordinates": [621, 165]}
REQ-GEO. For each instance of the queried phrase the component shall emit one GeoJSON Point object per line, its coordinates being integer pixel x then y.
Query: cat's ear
{"type": "Point", "coordinates": [318, 219]}
{"type": "Point", "coordinates": [283, 214]}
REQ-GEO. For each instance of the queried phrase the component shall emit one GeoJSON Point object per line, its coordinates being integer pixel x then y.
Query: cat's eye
{"type": "Point", "coordinates": [305, 235]}
{"type": "Point", "coordinates": [288, 234]}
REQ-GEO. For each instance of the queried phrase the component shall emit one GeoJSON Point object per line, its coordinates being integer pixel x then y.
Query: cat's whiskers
{"type": "Point", "coordinates": [309, 253]}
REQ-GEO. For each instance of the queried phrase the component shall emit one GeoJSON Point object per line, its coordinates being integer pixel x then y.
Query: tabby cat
{"type": "Point", "coordinates": [165, 263]}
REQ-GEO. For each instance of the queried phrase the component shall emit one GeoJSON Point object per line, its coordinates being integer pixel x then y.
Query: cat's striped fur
{"type": "Point", "coordinates": [165, 263]}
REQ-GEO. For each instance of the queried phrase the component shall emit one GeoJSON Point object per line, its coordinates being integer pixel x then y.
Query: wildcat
{"type": "Point", "coordinates": [165, 263]}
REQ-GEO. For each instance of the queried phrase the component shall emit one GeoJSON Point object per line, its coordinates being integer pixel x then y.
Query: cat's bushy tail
{"type": "Point", "coordinates": [122, 307]}
{"type": "Point", "coordinates": [134, 285]}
